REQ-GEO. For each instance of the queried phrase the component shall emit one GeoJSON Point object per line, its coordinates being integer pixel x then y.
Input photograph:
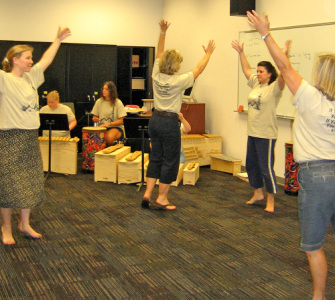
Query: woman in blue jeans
{"type": "Point", "coordinates": [164, 128]}
{"type": "Point", "coordinates": [314, 150]}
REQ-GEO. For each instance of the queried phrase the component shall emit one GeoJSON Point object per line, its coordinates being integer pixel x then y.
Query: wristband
{"type": "Point", "coordinates": [162, 32]}
{"type": "Point", "coordinates": [265, 36]}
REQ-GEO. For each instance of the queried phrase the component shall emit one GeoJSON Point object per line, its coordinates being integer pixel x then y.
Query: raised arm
{"type": "Point", "coordinates": [244, 62]}
{"type": "Point", "coordinates": [51, 52]}
{"type": "Point", "coordinates": [203, 63]}
{"type": "Point", "coordinates": [281, 81]}
{"type": "Point", "coordinates": [164, 25]}
{"type": "Point", "coordinates": [291, 77]}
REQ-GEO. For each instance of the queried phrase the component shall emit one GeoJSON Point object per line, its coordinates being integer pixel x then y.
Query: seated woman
{"type": "Point", "coordinates": [54, 107]}
{"type": "Point", "coordinates": [109, 112]}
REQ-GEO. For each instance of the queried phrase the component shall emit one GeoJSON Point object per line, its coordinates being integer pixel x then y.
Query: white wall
{"type": "Point", "coordinates": [116, 22]}
{"type": "Point", "coordinates": [194, 22]}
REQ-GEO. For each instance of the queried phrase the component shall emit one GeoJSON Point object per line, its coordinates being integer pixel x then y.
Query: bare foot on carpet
{"type": "Point", "coordinates": [254, 199]}
{"type": "Point", "coordinates": [270, 204]}
{"type": "Point", "coordinates": [29, 231]}
{"type": "Point", "coordinates": [7, 237]}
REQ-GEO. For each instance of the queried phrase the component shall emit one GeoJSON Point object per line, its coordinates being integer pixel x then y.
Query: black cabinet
{"type": "Point", "coordinates": [134, 69]}
{"type": "Point", "coordinates": [88, 67]}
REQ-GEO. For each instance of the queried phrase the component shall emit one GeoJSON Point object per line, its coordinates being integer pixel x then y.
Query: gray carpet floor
{"type": "Point", "coordinates": [98, 243]}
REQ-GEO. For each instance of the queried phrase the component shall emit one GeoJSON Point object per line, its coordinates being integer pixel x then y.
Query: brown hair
{"type": "Point", "coordinates": [112, 91]}
{"type": "Point", "coordinates": [15, 51]}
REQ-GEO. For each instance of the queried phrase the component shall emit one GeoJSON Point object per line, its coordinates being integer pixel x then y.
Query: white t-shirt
{"type": "Point", "coordinates": [314, 125]}
{"type": "Point", "coordinates": [168, 89]}
{"type": "Point", "coordinates": [108, 113]}
{"type": "Point", "coordinates": [262, 103]}
{"type": "Point", "coordinates": [61, 109]}
{"type": "Point", "coordinates": [19, 103]}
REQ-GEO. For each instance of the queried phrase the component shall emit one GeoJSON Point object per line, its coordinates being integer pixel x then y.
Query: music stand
{"type": "Point", "coordinates": [53, 122]}
{"type": "Point", "coordinates": [132, 126]}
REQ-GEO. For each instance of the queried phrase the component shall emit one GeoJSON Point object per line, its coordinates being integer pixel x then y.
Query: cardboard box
{"type": "Point", "coordinates": [63, 156]}
{"type": "Point", "coordinates": [226, 164]}
{"type": "Point", "coordinates": [131, 171]}
{"type": "Point", "coordinates": [191, 176]}
{"type": "Point", "coordinates": [135, 61]}
{"type": "Point", "coordinates": [138, 84]}
{"type": "Point", "coordinates": [106, 165]}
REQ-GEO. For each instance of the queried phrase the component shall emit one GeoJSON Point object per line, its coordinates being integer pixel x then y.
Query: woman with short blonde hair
{"type": "Point", "coordinates": [164, 130]}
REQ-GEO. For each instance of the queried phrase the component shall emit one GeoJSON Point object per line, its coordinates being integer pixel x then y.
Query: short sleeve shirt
{"type": "Point", "coordinates": [19, 102]}
{"type": "Point", "coordinates": [61, 109]}
{"type": "Point", "coordinates": [108, 113]}
{"type": "Point", "coordinates": [262, 104]}
{"type": "Point", "coordinates": [168, 89]}
{"type": "Point", "coordinates": [314, 125]}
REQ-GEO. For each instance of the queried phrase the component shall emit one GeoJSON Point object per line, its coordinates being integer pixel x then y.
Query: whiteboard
{"type": "Point", "coordinates": [308, 42]}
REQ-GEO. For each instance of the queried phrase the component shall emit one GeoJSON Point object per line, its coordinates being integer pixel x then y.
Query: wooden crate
{"type": "Point", "coordinates": [179, 176]}
{"type": "Point", "coordinates": [226, 164]}
{"type": "Point", "coordinates": [191, 176]}
{"type": "Point", "coordinates": [199, 148]}
{"type": "Point", "coordinates": [131, 171]}
{"type": "Point", "coordinates": [63, 156]}
{"type": "Point", "coordinates": [106, 165]}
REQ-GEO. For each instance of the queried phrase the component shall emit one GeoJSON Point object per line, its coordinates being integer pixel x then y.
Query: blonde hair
{"type": "Point", "coordinates": [324, 76]}
{"type": "Point", "coordinates": [53, 95]}
{"type": "Point", "coordinates": [170, 62]}
{"type": "Point", "coordinates": [15, 51]}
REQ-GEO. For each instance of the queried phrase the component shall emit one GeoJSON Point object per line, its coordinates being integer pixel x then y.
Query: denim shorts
{"type": "Point", "coordinates": [316, 202]}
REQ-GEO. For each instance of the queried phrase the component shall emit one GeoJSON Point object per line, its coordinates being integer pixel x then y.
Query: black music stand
{"type": "Point", "coordinates": [53, 122]}
{"type": "Point", "coordinates": [132, 126]}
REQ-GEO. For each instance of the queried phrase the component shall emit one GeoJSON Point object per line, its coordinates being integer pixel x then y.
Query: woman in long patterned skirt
{"type": "Point", "coordinates": [21, 171]}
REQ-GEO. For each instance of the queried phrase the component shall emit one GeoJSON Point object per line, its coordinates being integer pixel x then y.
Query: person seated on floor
{"type": "Point", "coordinates": [185, 128]}
{"type": "Point", "coordinates": [109, 112]}
{"type": "Point", "coordinates": [55, 107]}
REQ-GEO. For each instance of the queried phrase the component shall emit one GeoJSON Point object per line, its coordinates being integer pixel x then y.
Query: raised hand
{"type": "Point", "coordinates": [164, 25]}
{"type": "Point", "coordinates": [210, 47]}
{"type": "Point", "coordinates": [237, 46]}
{"type": "Point", "coordinates": [287, 47]}
{"type": "Point", "coordinates": [262, 26]}
{"type": "Point", "coordinates": [63, 33]}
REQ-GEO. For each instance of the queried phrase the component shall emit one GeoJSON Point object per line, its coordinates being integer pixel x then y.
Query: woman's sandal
{"type": "Point", "coordinates": [164, 207]}
{"type": "Point", "coordinates": [145, 203]}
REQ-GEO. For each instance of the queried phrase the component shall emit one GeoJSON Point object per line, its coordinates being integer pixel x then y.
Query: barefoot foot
{"type": "Point", "coordinates": [7, 237]}
{"type": "Point", "coordinates": [270, 203]}
{"type": "Point", "coordinates": [253, 200]}
{"type": "Point", "coordinates": [29, 231]}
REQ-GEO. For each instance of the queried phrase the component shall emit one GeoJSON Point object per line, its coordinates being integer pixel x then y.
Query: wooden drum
{"type": "Point", "coordinates": [94, 140]}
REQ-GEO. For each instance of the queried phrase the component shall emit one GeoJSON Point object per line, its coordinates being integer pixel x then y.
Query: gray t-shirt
{"type": "Point", "coordinates": [108, 113]}
{"type": "Point", "coordinates": [262, 103]}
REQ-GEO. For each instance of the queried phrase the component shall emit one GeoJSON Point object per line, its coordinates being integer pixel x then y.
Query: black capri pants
{"type": "Point", "coordinates": [164, 133]}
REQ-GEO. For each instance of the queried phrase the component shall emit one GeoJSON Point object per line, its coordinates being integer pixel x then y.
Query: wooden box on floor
{"type": "Point", "coordinates": [226, 164]}
{"type": "Point", "coordinates": [63, 156]}
{"type": "Point", "coordinates": [191, 176]}
{"type": "Point", "coordinates": [179, 176]}
{"type": "Point", "coordinates": [106, 165]}
{"type": "Point", "coordinates": [199, 148]}
{"type": "Point", "coordinates": [131, 171]}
